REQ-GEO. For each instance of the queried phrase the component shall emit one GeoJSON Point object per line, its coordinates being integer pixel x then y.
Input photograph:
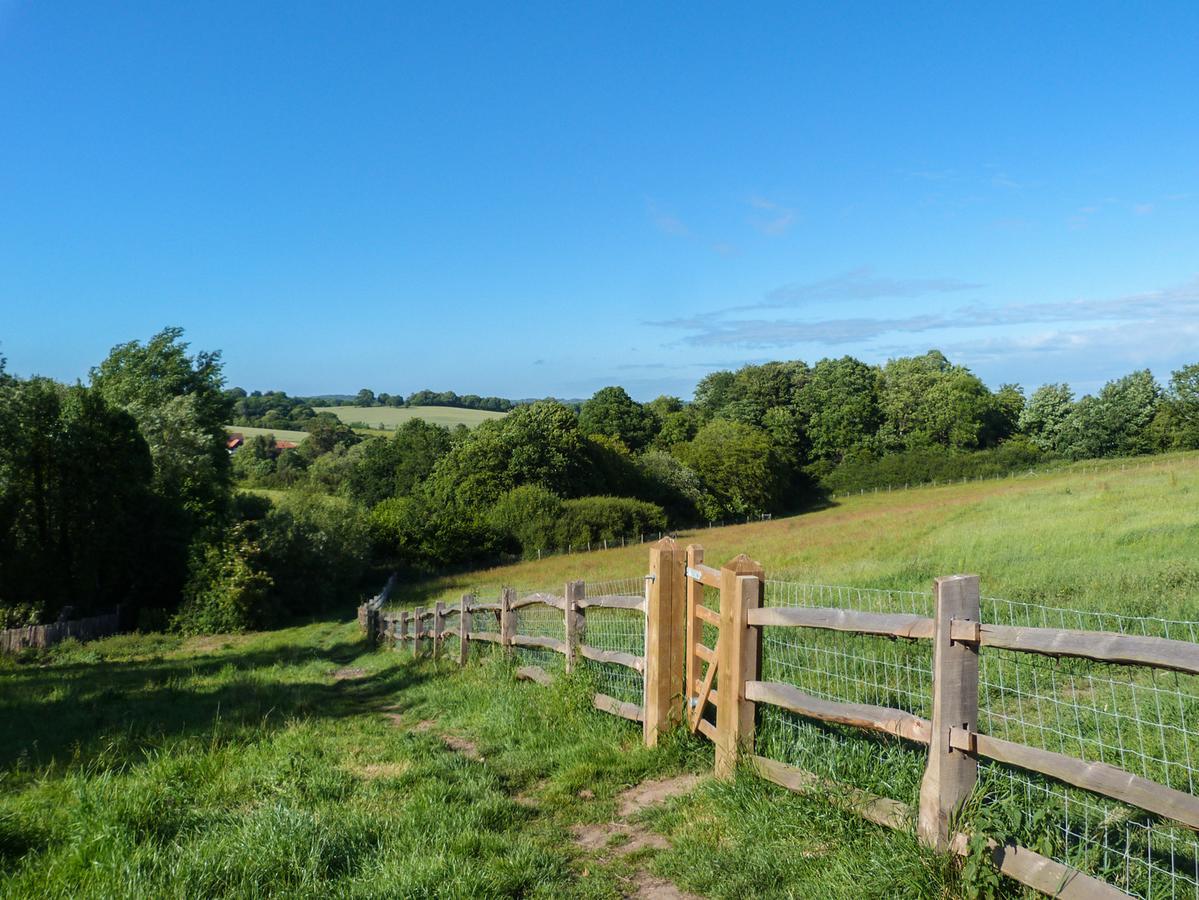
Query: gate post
{"type": "Point", "coordinates": [464, 628]}
{"type": "Point", "coordinates": [507, 619]}
{"type": "Point", "coordinates": [738, 657]}
{"type": "Point", "coordinates": [402, 637]}
{"type": "Point", "coordinates": [665, 609]}
{"type": "Point", "coordinates": [571, 615]}
{"type": "Point", "coordinates": [438, 627]}
{"type": "Point", "coordinates": [418, 629]}
{"type": "Point", "coordinates": [950, 775]}
{"type": "Point", "coordinates": [695, 627]}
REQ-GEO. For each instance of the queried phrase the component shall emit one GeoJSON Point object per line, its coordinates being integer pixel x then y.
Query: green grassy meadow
{"type": "Point", "coordinates": [281, 434]}
{"type": "Point", "coordinates": [1090, 536]}
{"type": "Point", "coordinates": [389, 418]}
{"type": "Point", "coordinates": [301, 763]}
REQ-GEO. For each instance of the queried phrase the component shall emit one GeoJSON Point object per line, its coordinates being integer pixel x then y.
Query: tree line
{"type": "Point", "coordinates": [122, 490]}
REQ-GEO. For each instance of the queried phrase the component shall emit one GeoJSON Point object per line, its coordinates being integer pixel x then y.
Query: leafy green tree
{"type": "Point", "coordinates": [739, 468]}
{"type": "Point", "coordinates": [526, 518]}
{"type": "Point", "coordinates": [714, 391]}
{"type": "Point", "coordinates": [663, 406]}
{"type": "Point", "coordinates": [536, 444]}
{"type": "Point", "coordinates": [677, 427]}
{"type": "Point", "coordinates": [841, 404]}
{"type": "Point", "coordinates": [326, 432]}
{"type": "Point", "coordinates": [181, 410]}
{"type": "Point", "coordinates": [394, 466]}
{"type": "Point", "coordinates": [613, 413]}
{"type": "Point", "coordinates": [672, 485]}
{"type": "Point", "coordinates": [926, 400]}
{"type": "Point", "coordinates": [585, 520]}
{"type": "Point", "coordinates": [1008, 404]}
{"type": "Point", "coordinates": [1045, 414]}
{"type": "Point", "coordinates": [1116, 422]}
{"type": "Point", "coordinates": [365, 397]}
{"type": "Point", "coordinates": [76, 509]}
{"type": "Point", "coordinates": [1183, 400]}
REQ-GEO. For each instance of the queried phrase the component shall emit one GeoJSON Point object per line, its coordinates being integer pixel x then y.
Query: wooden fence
{"type": "Point", "coordinates": [683, 678]}
{"type": "Point", "coordinates": [14, 640]}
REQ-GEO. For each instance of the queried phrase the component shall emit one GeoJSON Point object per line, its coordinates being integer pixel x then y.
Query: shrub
{"type": "Point", "coordinates": [228, 589]}
{"type": "Point", "coordinates": [526, 517]}
{"type": "Point", "coordinates": [594, 519]}
{"type": "Point", "coordinates": [866, 471]}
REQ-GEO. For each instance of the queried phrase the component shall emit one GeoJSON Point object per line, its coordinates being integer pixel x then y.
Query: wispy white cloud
{"type": "Point", "coordinates": [771, 218]}
{"type": "Point", "coordinates": [1142, 209]}
{"type": "Point", "coordinates": [666, 222]}
{"type": "Point", "coordinates": [1177, 306]}
{"type": "Point", "coordinates": [861, 284]}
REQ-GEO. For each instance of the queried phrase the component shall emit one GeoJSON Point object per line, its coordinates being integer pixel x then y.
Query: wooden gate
{"type": "Point", "coordinates": [700, 681]}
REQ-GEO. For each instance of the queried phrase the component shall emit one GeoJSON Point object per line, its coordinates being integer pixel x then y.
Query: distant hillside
{"type": "Point", "coordinates": [389, 417]}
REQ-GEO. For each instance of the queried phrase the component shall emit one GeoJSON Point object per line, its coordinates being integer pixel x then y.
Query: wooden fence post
{"type": "Point", "coordinates": [403, 629]}
{"type": "Point", "coordinates": [464, 628]}
{"type": "Point", "coordinates": [950, 775]}
{"type": "Point", "coordinates": [507, 619]}
{"type": "Point", "coordinates": [664, 625]}
{"type": "Point", "coordinates": [738, 657]}
{"type": "Point", "coordinates": [570, 616]}
{"type": "Point", "coordinates": [695, 625]}
{"type": "Point", "coordinates": [438, 627]}
{"type": "Point", "coordinates": [418, 629]}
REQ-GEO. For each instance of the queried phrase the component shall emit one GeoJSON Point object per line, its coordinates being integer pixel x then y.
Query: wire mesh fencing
{"type": "Point", "coordinates": [615, 629]}
{"type": "Point", "coordinates": [539, 620]}
{"type": "Point", "coordinates": [849, 668]}
{"type": "Point", "coordinates": [1140, 719]}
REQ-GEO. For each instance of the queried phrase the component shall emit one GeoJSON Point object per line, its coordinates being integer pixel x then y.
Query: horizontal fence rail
{"type": "Point", "coordinates": [918, 711]}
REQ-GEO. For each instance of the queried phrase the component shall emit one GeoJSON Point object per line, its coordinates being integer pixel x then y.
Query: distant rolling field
{"type": "Point", "coordinates": [281, 434]}
{"type": "Point", "coordinates": [390, 417]}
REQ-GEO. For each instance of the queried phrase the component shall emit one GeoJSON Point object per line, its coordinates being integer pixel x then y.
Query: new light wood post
{"type": "Point", "coordinates": [738, 656]}
{"type": "Point", "coordinates": [665, 609]}
{"type": "Point", "coordinates": [571, 615]}
{"type": "Point", "coordinates": [951, 774]}
{"type": "Point", "coordinates": [464, 628]}
{"type": "Point", "coordinates": [438, 627]}
{"type": "Point", "coordinates": [507, 619]}
{"type": "Point", "coordinates": [695, 626]}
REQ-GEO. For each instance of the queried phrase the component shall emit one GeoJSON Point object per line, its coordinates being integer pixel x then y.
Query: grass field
{"type": "Point", "coordinates": [298, 763]}
{"type": "Point", "coordinates": [281, 434]}
{"type": "Point", "coordinates": [1090, 536]}
{"type": "Point", "coordinates": [388, 417]}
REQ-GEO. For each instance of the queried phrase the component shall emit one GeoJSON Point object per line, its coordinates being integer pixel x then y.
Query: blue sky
{"type": "Point", "coordinates": [523, 199]}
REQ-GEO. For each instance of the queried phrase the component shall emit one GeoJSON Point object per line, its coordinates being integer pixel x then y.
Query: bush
{"type": "Point", "coordinates": [864, 471]}
{"type": "Point", "coordinates": [228, 589]}
{"type": "Point", "coordinates": [316, 548]}
{"type": "Point", "coordinates": [526, 517]}
{"type": "Point", "coordinates": [595, 519]}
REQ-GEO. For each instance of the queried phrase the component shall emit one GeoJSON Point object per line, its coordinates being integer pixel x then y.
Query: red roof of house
{"type": "Point", "coordinates": [235, 440]}
{"type": "Point", "coordinates": [286, 445]}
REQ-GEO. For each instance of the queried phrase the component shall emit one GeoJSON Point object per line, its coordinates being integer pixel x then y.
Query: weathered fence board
{"type": "Point", "coordinates": [875, 718]}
